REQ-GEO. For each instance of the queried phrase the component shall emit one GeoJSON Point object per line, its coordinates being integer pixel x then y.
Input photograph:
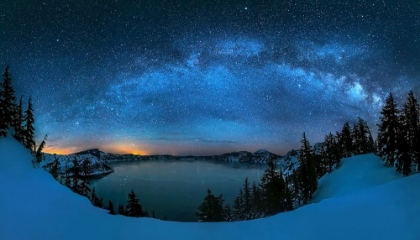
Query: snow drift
{"type": "Point", "coordinates": [35, 206]}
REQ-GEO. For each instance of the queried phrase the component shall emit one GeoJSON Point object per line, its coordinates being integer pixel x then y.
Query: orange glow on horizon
{"type": "Point", "coordinates": [59, 151]}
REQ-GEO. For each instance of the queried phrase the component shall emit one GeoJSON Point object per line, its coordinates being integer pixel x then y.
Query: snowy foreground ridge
{"type": "Point", "coordinates": [35, 206]}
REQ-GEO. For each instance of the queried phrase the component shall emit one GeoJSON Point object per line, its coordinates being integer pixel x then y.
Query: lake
{"type": "Point", "coordinates": [175, 189]}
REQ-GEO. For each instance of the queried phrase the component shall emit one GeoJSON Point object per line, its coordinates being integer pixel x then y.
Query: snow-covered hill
{"type": "Point", "coordinates": [35, 206]}
{"type": "Point", "coordinates": [356, 173]}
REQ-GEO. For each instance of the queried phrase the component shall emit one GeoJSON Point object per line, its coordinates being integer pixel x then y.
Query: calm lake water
{"type": "Point", "coordinates": [175, 189]}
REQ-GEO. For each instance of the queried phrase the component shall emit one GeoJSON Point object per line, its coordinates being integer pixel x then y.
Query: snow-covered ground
{"type": "Point", "coordinates": [355, 174]}
{"type": "Point", "coordinates": [35, 206]}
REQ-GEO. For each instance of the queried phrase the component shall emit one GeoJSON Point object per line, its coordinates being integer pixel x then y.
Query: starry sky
{"type": "Point", "coordinates": [206, 77]}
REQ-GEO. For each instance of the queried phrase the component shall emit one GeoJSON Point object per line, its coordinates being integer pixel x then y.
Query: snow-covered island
{"type": "Point", "coordinates": [360, 200]}
{"type": "Point", "coordinates": [97, 166]}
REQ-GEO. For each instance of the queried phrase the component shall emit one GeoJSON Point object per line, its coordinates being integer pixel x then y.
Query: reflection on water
{"type": "Point", "coordinates": [175, 189]}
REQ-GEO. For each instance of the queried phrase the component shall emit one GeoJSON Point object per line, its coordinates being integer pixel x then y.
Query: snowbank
{"type": "Point", "coordinates": [35, 206]}
{"type": "Point", "coordinates": [355, 173]}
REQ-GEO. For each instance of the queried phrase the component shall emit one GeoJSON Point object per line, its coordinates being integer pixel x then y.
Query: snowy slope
{"type": "Point", "coordinates": [35, 206]}
{"type": "Point", "coordinates": [355, 173]}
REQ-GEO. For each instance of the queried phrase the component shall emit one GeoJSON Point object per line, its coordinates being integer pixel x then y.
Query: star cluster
{"type": "Point", "coordinates": [206, 77]}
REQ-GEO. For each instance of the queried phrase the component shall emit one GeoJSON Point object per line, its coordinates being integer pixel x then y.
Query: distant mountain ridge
{"type": "Point", "coordinates": [99, 159]}
{"type": "Point", "coordinates": [259, 156]}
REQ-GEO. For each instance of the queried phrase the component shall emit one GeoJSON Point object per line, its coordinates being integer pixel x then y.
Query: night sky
{"type": "Point", "coordinates": [206, 77]}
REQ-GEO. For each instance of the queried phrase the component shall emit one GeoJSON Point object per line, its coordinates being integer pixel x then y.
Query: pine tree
{"type": "Point", "coordinates": [345, 140]}
{"type": "Point", "coordinates": [3, 124]}
{"type": "Point", "coordinates": [388, 130]}
{"type": "Point", "coordinates": [356, 139]}
{"type": "Point", "coordinates": [410, 119]}
{"type": "Point", "coordinates": [364, 135]}
{"type": "Point", "coordinates": [133, 208]}
{"type": "Point", "coordinates": [307, 173]}
{"type": "Point", "coordinates": [247, 200]}
{"type": "Point", "coordinates": [227, 214]}
{"type": "Point", "coordinates": [18, 121]}
{"type": "Point", "coordinates": [29, 131]}
{"type": "Point", "coordinates": [256, 202]}
{"type": "Point", "coordinates": [330, 153]}
{"type": "Point", "coordinates": [403, 159]}
{"type": "Point", "coordinates": [86, 171]}
{"type": "Point", "coordinates": [211, 210]}
{"type": "Point", "coordinates": [111, 208]}
{"type": "Point", "coordinates": [54, 170]}
{"type": "Point", "coordinates": [272, 190]}
{"type": "Point", "coordinates": [9, 98]}
{"type": "Point", "coordinates": [96, 201]}
{"type": "Point", "coordinates": [38, 153]}
{"type": "Point", "coordinates": [121, 210]}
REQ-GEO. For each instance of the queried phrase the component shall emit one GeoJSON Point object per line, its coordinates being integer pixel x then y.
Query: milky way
{"type": "Point", "coordinates": [206, 77]}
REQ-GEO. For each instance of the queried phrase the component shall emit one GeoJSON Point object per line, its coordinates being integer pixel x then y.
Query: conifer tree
{"type": "Point", "coordinates": [9, 106]}
{"type": "Point", "coordinates": [3, 124]}
{"type": "Point", "coordinates": [363, 137]}
{"type": "Point", "coordinates": [121, 210]}
{"type": "Point", "coordinates": [96, 201]}
{"type": "Point", "coordinates": [28, 130]}
{"type": "Point", "coordinates": [272, 189]}
{"type": "Point", "coordinates": [227, 214]}
{"type": "Point", "coordinates": [111, 208]}
{"type": "Point", "coordinates": [256, 202]}
{"type": "Point", "coordinates": [307, 173]}
{"type": "Point", "coordinates": [18, 121]}
{"type": "Point", "coordinates": [133, 208]}
{"type": "Point", "coordinates": [54, 170]}
{"type": "Point", "coordinates": [356, 139]}
{"type": "Point", "coordinates": [403, 159]}
{"type": "Point", "coordinates": [345, 140]}
{"type": "Point", "coordinates": [237, 212]}
{"type": "Point", "coordinates": [247, 200]}
{"type": "Point", "coordinates": [410, 119]}
{"type": "Point", "coordinates": [296, 193]}
{"type": "Point", "coordinates": [329, 153]}
{"type": "Point", "coordinates": [86, 171]}
{"type": "Point", "coordinates": [211, 210]}
{"type": "Point", "coordinates": [388, 130]}
{"type": "Point", "coordinates": [39, 154]}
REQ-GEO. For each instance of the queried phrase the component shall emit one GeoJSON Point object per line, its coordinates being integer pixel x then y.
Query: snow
{"type": "Point", "coordinates": [35, 206]}
{"type": "Point", "coordinates": [355, 173]}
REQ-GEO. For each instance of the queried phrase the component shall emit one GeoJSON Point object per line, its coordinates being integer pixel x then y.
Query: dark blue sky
{"type": "Point", "coordinates": [206, 77]}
